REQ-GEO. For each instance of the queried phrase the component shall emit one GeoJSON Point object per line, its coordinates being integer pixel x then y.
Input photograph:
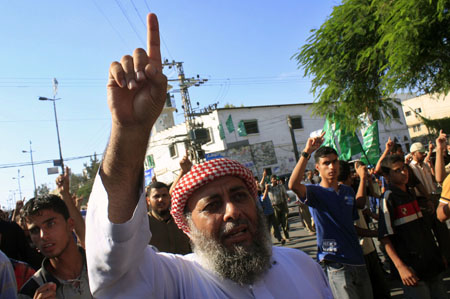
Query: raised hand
{"type": "Point", "coordinates": [185, 164]}
{"type": "Point", "coordinates": [389, 144]}
{"type": "Point", "coordinates": [63, 183]}
{"type": "Point", "coordinates": [314, 143]}
{"type": "Point", "coordinates": [136, 86]}
{"type": "Point", "coordinates": [441, 141]}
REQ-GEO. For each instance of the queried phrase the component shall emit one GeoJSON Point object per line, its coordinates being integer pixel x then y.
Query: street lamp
{"type": "Point", "coordinates": [18, 180]}
{"type": "Point", "coordinates": [54, 99]}
{"type": "Point", "coordinates": [32, 167]}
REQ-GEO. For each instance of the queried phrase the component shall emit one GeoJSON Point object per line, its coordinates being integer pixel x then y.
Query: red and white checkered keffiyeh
{"type": "Point", "coordinates": [202, 174]}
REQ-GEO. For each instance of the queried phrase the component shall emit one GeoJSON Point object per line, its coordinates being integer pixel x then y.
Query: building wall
{"type": "Point", "coordinates": [432, 107]}
{"type": "Point", "coordinates": [273, 127]}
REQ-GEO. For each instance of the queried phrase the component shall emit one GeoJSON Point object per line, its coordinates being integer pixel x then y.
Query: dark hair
{"type": "Point", "coordinates": [396, 147]}
{"type": "Point", "coordinates": [324, 151]}
{"type": "Point", "coordinates": [157, 185]}
{"type": "Point", "coordinates": [46, 202]}
{"type": "Point", "coordinates": [273, 176]}
{"type": "Point", "coordinates": [344, 171]}
{"type": "Point", "coordinates": [387, 162]}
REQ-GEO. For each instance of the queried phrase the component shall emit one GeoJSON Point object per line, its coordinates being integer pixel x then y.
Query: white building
{"type": "Point", "coordinates": [267, 144]}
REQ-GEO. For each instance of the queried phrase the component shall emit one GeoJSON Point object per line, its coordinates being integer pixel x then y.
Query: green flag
{"type": "Point", "coordinates": [221, 131]}
{"type": "Point", "coordinates": [329, 134]}
{"type": "Point", "coordinates": [241, 129]}
{"type": "Point", "coordinates": [371, 144]}
{"type": "Point", "coordinates": [349, 145]}
{"type": "Point", "coordinates": [230, 125]}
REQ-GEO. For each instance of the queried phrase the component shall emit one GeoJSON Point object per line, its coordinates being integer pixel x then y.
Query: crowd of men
{"type": "Point", "coordinates": [208, 235]}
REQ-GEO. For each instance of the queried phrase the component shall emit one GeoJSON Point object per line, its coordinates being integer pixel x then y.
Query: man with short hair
{"type": "Point", "coordinates": [63, 273]}
{"type": "Point", "coordinates": [214, 203]}
{"type": "Point", "coordinates": [408, 241]}
{"type": "Point", "coordinates": [333, 208]}
{"type": "Point", "coordinates": [166, 236]}
{"type": "Point", "coordinates": [278, 197]}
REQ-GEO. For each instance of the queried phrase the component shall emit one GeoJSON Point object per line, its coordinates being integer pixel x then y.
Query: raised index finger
{"type": "Point", "coordinates": [153, 43]}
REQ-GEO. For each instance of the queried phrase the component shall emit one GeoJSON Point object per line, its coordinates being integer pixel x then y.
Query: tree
{"type": "Point", "coordinates": [368, 49]}
{"type": "Point", "coordinates": [42, 190]}
{"type": "Point", "coordinates": [81, 184]}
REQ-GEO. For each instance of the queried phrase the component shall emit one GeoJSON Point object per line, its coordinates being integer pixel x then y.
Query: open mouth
{"type": "Point", "coordinates": [237, 235]}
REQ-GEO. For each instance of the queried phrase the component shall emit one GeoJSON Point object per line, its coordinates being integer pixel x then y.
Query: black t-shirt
{"type": "Point", "coordinates": [401, 220]}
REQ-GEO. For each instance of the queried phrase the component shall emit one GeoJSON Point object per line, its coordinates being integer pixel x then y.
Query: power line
{"type": "Point", "coordinates": [13, 165]}
{"type": "Point", "coordinates": [109, 22]}
{"type": "Point", "coordinates": [130, 23]}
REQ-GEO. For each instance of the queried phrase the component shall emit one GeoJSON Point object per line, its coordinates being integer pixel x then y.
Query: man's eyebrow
{"type": "Point", "coordinates": [48, 220]}
{"type": "Point", "coordinates": [237, 188]}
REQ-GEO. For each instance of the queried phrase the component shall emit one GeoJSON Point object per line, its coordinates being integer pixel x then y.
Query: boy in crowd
{"type": "Point", "coordinates": [409, 243]}
{"type": "Point", "coordinates": [334, 210]}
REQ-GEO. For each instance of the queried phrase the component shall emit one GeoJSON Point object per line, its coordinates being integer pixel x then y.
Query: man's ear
{"type": "Point", "coordinates": [71, 223]}
{"type": "Point", "coordinates": [317, 167]}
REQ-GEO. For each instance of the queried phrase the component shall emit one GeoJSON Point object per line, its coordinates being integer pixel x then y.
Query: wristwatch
{"type": "Point", "coordinates": [306, 155]}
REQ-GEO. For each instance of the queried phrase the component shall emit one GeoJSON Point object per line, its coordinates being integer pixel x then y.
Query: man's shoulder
{"type": "Point", "coordinates": [32, 284]}
{"type": "Point", "coordinates": [283, 252]}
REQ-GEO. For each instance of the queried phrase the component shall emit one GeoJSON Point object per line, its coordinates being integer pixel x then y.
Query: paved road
{"type": "Point", "coordinates": [300, 239]}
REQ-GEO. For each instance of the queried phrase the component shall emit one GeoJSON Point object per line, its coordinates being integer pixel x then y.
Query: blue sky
{"type": "Point", "coordinates": [244, 48]}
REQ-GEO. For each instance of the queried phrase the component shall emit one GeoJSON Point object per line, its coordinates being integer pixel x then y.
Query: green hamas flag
{"type": "Point", "coordinates": [241, 129]}
{"type": "Point", "coordinates": [349, 144]}
{"type": "Point", "coordinates": [230, 125]}
{"type": "Point", "coordinates": [371, 144]}
{"type": "Point", "coordinates": [221, 131]}
{"type": "Point", "coordinates": [329, 134]}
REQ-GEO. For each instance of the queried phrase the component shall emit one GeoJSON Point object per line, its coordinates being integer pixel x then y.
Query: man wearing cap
{"type": "Point", "coordinates": [421, 169]}
{"type": "Point", "coordinates": [214, 203]}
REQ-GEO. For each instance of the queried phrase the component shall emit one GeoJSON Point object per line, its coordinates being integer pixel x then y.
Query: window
{"type": "Point", "coordinates": [416, 128]}
{"type": "Point", "coordinates": [395, 113]}
{"type": "Point", "coordinates": [408, 113]}
{"type": "Point", "coordinates": [173, 150]}
{"type": "Point", "coordinates": [296, 122]}
{"type": "Point", "coordinates": [418, 110]}
{"type": "Point", "coordinates": [251, 126]}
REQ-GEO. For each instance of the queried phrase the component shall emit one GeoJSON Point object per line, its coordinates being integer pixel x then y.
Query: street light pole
{"type": "Point", "coordinates": [18, 180]}
{"type": "Point", "coordinates": [55, 91]}
{"type": "Point", "coordinates": [32, 167]}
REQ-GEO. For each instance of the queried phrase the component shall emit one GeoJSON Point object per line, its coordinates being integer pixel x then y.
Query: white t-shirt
{"type": "Point", "coordinates": [122, 265]}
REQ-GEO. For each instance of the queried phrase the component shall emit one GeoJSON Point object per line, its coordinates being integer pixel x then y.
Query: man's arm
{"type": "Point", "coordinates": [295, 181]}
{"type": "Point", "coordinates": [361, 197]}
{"type": "Point", "coordinates": [407, 275]}
{"type": "Point", "coordinates": [185, 165]}
{"type": "Point", "coordinates": [441, 147]}
{"type": "Point", "coordinates": [263, 178]}
{"type": "Point", "coordinates": [136, 94]}
{"type": "Point", "coordinates": [427, 159]}
{"type": "Point", "coordinates": [387, 149]}
{"type": "Point", "coordinates": [63, 182]}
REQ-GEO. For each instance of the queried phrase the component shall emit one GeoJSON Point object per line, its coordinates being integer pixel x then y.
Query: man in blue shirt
{"type": "Point", "coordinates": [333, 209]}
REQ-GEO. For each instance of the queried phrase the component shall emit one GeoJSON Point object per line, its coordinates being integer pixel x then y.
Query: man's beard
{"type": "Point", "coordinates": [241, 264]}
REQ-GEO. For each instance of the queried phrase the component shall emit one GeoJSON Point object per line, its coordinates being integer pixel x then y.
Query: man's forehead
{"type": "Point", "coordinates": [228, 183]}
{"type": "Point", "coordinates": [329, 157]}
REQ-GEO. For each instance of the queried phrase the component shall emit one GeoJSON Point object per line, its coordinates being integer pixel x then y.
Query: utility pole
{"type": "Point", "coordinates": [18, 180]}
{"type": "Point", "coordinates": [294, 142]}
{"type": "Point", "coordinates": [194, 147]}
{"type": "Point", "coordinates": [32, 167]}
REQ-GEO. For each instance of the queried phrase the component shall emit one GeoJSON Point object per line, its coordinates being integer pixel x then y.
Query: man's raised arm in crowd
{"type": "Point", "coordinates": [297, 175]}
{"type": "Point", "coordinates": [63, 184]}
{"type": "Point", "coordinates": [136, 95]}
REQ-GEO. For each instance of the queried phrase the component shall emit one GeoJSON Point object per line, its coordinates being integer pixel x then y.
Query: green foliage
{"type": "Point", "coordinates": [228, 105]}
{"type": "Point", "coordinates": [435, 125]}
{"type": "Point", "coordinates": [368, 49]}
{"type": "Point", "coordinates": [42, 190]}
{"type": "Point", "coordinates": [81, 184]}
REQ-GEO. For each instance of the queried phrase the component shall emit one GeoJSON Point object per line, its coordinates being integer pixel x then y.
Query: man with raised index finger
{"type": "Point", "coordinates": [214, 203]}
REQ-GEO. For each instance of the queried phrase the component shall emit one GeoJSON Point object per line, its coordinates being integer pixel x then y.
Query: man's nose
{"type": "Point", "coordinates": [232, 212]}
{"type": "Point", "coordinates": [43, 234]}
